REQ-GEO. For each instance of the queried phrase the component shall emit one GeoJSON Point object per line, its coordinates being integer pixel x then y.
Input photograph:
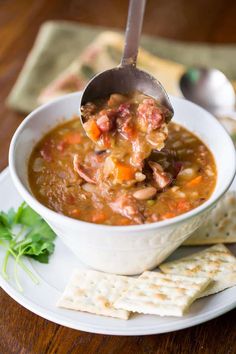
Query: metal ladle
{"type": "Point", "coordinates": [211, 89]}
{"type": "Point", "coordinates": [126, 78]}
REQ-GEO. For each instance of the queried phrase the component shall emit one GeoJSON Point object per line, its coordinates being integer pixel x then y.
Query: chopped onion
{"type": "Point", "coordinates": [187, 172]}
{"type": "Point", "coordinates": [89, 187]}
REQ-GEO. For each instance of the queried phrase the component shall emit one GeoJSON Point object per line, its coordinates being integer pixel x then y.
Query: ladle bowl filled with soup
{"type": "Point", "coordinates": [127, 188]}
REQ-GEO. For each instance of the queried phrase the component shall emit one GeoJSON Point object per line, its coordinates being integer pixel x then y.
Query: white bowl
{"type": "Point", "coordinates": [122, 249]}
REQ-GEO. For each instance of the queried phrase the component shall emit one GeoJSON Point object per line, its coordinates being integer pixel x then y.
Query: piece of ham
{"type": "Point", "coordinates": [46, 151]}
{"type": "Point", "coordinates": [149, 115]}
{"type": "Point", "coordinates": [127, 206]}
{"type": "Point", "coordinates": [83, 172]}
{"type": "Point", "coordinates": [168, 161]}
{"type": "Point", "coordinates": [124, 110]}
{"type": "Point", "coordinates": [125, 127]}
{"type": "Point", "coordinates": [124, 121]}
{"type": "Point", "coordinates": [106, 120]}
{"type": "Point", "coordinates": [161, 178]}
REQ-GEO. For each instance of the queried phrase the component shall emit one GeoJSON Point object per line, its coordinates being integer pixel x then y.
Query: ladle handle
{"type": "Point", "coordinates": [133, 31]}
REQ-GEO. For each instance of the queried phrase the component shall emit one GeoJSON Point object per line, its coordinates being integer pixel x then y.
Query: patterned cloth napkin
{"type": "Point", "coordinates": [59, 42]}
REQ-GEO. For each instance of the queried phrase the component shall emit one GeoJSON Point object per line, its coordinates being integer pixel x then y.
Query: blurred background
{"type": "Point", "coordinates": [40, 60]}
{"type": "Point", "coordinates": [203, 20]}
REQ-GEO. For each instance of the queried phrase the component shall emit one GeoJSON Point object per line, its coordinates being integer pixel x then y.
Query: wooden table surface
{"type": "Point", "coordinates": [205, 20]}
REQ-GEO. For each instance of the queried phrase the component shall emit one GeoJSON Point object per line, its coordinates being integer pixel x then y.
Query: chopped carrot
{"type": "Point", "coordinates": [92, 130]}
{"type": "Point", "coordinates": [194, 182]}
{"type": "Point", "coordinates": [99, 216]}
{"type": "Point", "coordinates": [73, 138]}
{"type": "Point", "coordinates": [75, 213]}
{"type": "Point", "coordinates": [123, 172]}
{"type": "Point", "coordinates": [124, 221]}
{"type": "Point", "coordinates": [130, 131]}
{"type": "Point", "coordinates": [168, 215]}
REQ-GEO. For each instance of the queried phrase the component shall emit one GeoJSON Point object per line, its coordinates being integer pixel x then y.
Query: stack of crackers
{"type": "Point", "coordinates": [171, 289]}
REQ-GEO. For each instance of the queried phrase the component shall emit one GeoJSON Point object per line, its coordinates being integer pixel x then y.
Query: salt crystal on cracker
{"type": "Point", "coordinates": [161, 294]}
{"type": "Point", "coordinates": [215, 262]}
{"type": "Point", "coordinates": [95, 292]}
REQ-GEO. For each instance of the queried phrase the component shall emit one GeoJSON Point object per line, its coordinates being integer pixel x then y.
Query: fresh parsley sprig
{"type": "Point", "coordinates": [25, 233]}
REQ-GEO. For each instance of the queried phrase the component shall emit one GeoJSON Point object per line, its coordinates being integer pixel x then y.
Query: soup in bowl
{"type": "Point", "coordinates": [112, 222]}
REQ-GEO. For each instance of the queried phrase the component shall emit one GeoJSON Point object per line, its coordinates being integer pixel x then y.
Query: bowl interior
{"type": "Point", "coordinates": [189, 115]}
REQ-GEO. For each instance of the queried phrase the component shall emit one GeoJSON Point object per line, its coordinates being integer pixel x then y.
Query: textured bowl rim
{"type": "Point", "coordinates": [50, 214]}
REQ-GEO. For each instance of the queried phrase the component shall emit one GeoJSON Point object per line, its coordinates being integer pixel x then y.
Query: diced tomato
{"type": "Point", "coordinates": [183, 205]}
{"type": "Point", "coordinates": [70, 199]}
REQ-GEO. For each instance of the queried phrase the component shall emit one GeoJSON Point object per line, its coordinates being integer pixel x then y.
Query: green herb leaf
{"type": "Point", "coordinates": [42, 258]}
{"type": "Point", "coordinates": [44, 230]}
{"type": "Point", "coordinates": [35, 238]}
{"type": "Point", "coordinates": [7, 219]}
{"type": "Point", "coordinates": [19, 212]}
{"type": "Point", "coordinates": [11, 216]}
{"type": "Point", "coordinates": [3, 219]}
{"type": "Point", "coordinates": [5, 233]}
{"type": "Point", "coordinates": [27, 216]}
